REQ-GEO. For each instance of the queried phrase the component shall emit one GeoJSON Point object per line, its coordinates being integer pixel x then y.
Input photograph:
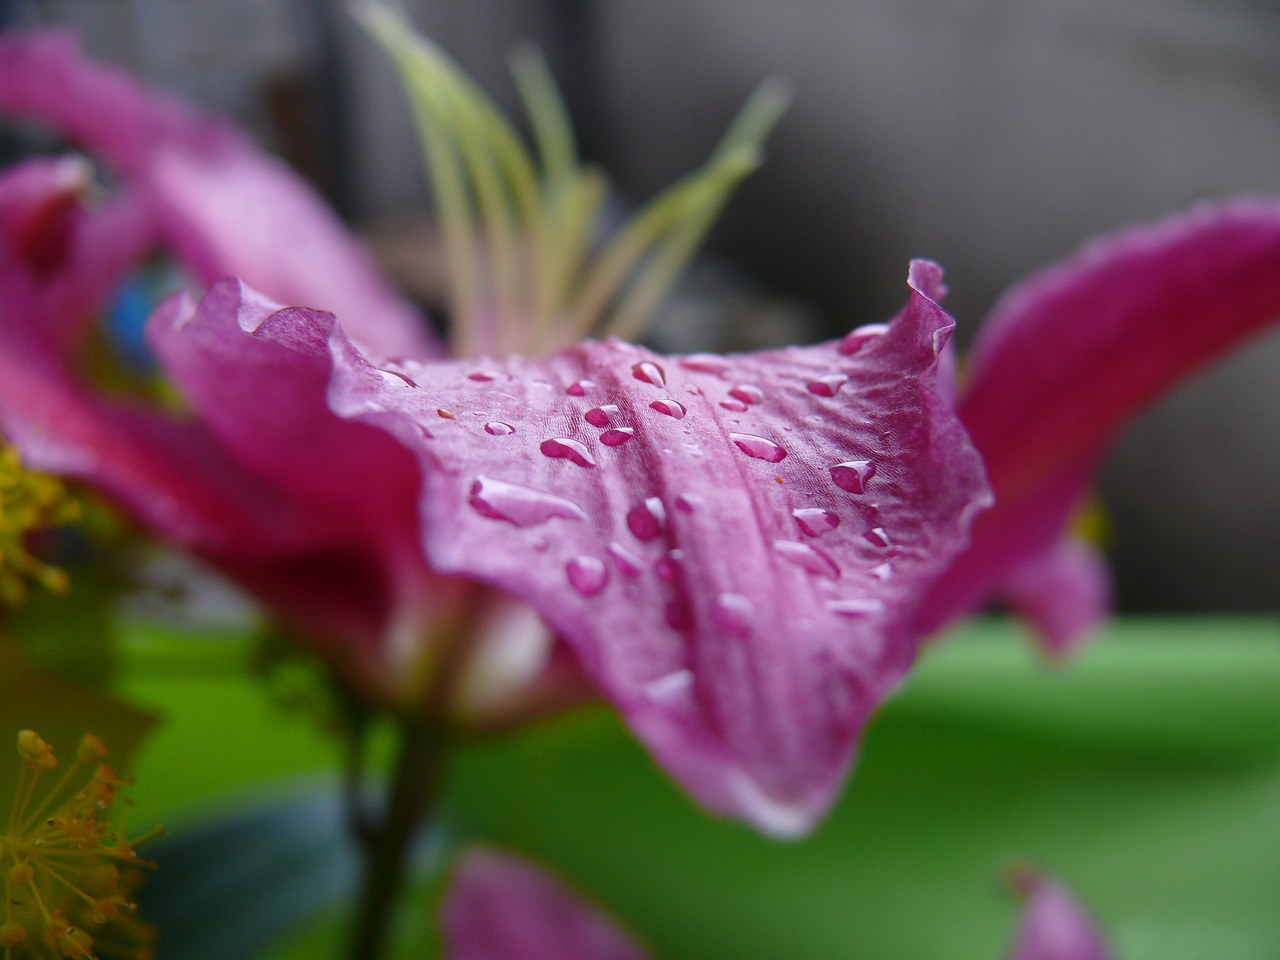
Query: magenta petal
{"type": "Point", "coordinates": [745, 639]}
{"type": "Point", "coordinates": [225, 208]}
{"type": "Point", "coordinates": [257, 374]}
{"type": "Point", "coordinates": [1069, 355]}
{"type": "Point", "coordinates": [1064, 593]}
{"type": "Point", "coordinates": [1054, 925]}
{"type": "Point", "coordinates": [501, 907]}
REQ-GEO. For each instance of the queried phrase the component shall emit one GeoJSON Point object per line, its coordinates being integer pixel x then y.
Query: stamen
{"type": "Point", "coordinates": [29, 503]}
{"type": "Point", "coordinates": [532, 283]}
{"type": "Point", "coordinates": [62, 883]}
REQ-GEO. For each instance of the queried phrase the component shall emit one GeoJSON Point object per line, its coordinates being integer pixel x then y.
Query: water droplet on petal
{"type": "Point", "coordinates": [853, 475]}
{"type": "Point", "coordinates": [669, 407]}
{"type": "Point", "coordinates": [497, 428]}
{"type": "Point", "coordinates": [519, 505]}
{"type": "Point", "coordinates": [706, 363]}
{"type": "Point", "coordinates": [670, 687]}
{"type": "Point", "coordinates": [562, 448]}
{"type": "Point", "coordinates": [628, 564]}
{"type": "Point", "coordinates": [668, 567]}
{"type": "Point", "coordinates": [736, 406]}
{"type": "Point", "coordinates": [862, 607]}
{"type": "Point", "coordinates": [807, 558]}
{"type": "Point", "coordinates": [396, 378]}
{"type": "Point", "coordinates": [445, 414]}
{"type": "Point", "coordinates": [860, 337]}
{"type": "Point", "coordinates": [649, 372]}
{"type": "Point", "coordinates": [827, 386]}
{"type": "Point", "coordinates": [733, 612]}
{"type": "Point", "coordinates": [878, 537]}
{"type": "Point", "coordinates": [882, 572]}
{"type": "Point", "coordinates": [587, 575]}
{"type": "Point", "coordinates": [580, 388]}
{"type": "Point", "coordinates": [747, 393]}
{"type": "Point", "coordinates": [482, 376]}
{"type": "Point", "coordinates": [688, 502]}
{"type": "Point", "coordinates": [601, 416]}
{"type": "Point", "coordinates": [647, 520]}
{"type": "Point", "coordinates": [815, 521]}
{"type": "Point", "coordinates": [617, 436]}
{"type": "Point", "coordinates": [758, 447]}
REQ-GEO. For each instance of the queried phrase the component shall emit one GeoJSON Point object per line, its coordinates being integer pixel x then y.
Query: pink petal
{"type": "Point", "coordinates": [1071, 354]}
{"type": "Point", "coordinates": [744, 651]}
{"type": "Point", "coordinates": [223, 207]}
{"type": "Point", "coordinates": [501, 907]}
{"type": "Point", "coordinates": [1064, 592]}
{"type": "Point", "coordinates": [1054, 925]}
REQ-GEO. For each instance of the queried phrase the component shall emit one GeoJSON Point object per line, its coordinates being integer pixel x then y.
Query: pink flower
{"type": "Point", "coordinates": [502, 907]}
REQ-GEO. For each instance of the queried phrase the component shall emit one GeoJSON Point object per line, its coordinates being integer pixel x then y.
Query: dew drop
{"type": "Point", "coordinates": [706, 363]}
{"type": "Point", "coordinates": [671, 408]}
{"type": "Point", "coordinates": [617, 436]}
{"type": "Point", "coordinates": [587, 575]}
{"type": "Point", "coordinates": [688, 502]}
{"type": "Point", "coordinates": [736, 406]}
{"type": "Point", "coordinates": [861, 336]}
{"type": "Point", "coordinates": [649, 372]}
{"type": "Point", "coordinates": [733, 612]}
{"type": "Point", "coordinates": [580, 388]}
{"type": "Point", "coordinates": [747, 393]}
{"type": "Point", "coordinates": [853, 475]}
{"type": "Point", "coordinates": [601, 416]}
{"type": "Point", "coordinates": [758, 447]}
{"type": "Point", "coordinates": [815, 521]}
{"type": "Point", "coordinates": [862, 607]}
{"type": "Point", "coordinates": [628, 564]}
{"type": "Point", "coordinates": [396, 378]}
{"type": "Point", "coordinates": [827, 386]}
{"type": "Point", "coordinates": [482, 376]}
{"type": "Point", "coordinates": [519, 505]}
{"type": "Point", "coordinates": [647, 520]}
{"type": "Point", "coordinates": [562, 448]}
{"type": "Point", "coordinates": [497, 428]}
{"type": "Point", "coordinates": [877, 537]}
{"type": "Point", "coordinates": [670, 687]}
{"type": "Point", "coordinates": [882, 572]}
{"type": "Point", "coordinates": [668, 567]}
{"type": "Point", "coordinates": [807, 558]}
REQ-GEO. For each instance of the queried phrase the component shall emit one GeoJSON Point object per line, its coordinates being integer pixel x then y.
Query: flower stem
{"type": "Point", "coordinates": [414, 790]}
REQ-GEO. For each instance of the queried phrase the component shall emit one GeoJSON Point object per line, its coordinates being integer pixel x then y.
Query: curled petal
{"type": "Point", "coordinates": [1071, 354]}
{"type": "Point", "coordinates": [501, 907]}
{"type": "Point", "coordinates": [1054, 925]}
{"type": "Point", "coordinates": [1064, 593]}
{"type": "Point", "coordinates": [734, 556]}
{"type": "Point", "coordinates": [221, 205]}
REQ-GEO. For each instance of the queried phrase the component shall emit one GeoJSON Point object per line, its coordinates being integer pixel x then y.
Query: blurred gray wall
{"type": "Point", "coordinates": [993, 136]}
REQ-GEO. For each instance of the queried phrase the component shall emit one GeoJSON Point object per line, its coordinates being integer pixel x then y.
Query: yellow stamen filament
{"type": "Point", "coordinates": [64, 892]}
{"type": "Point", "coordinates": [29, 503]}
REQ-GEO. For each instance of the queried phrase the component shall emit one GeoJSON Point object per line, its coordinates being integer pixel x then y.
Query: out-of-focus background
{"type": "Point", "coordinates": [992, 136]}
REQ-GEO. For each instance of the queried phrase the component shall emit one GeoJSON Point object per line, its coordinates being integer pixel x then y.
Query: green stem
{"type": "Point", "coordinates": [414, 789]}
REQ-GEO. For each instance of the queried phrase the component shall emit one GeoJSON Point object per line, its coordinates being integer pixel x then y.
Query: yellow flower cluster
{"type": "Point", "coordinates": [29, 502]}
{"type": "Point", "coordinates": [68, 877]}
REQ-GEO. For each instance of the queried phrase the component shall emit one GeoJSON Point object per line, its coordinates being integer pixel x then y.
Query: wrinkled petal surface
{"type": "Point", "coordinates": [1054, 925]}
{"type": "Point", "coordinates": [501, 907]}
{"type": "Point", "coordinates": [1072, 353]}
{"type": "Point", "coordinates": [225, 208]}
{"type": "Point", "coordinates": [733, 546]}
